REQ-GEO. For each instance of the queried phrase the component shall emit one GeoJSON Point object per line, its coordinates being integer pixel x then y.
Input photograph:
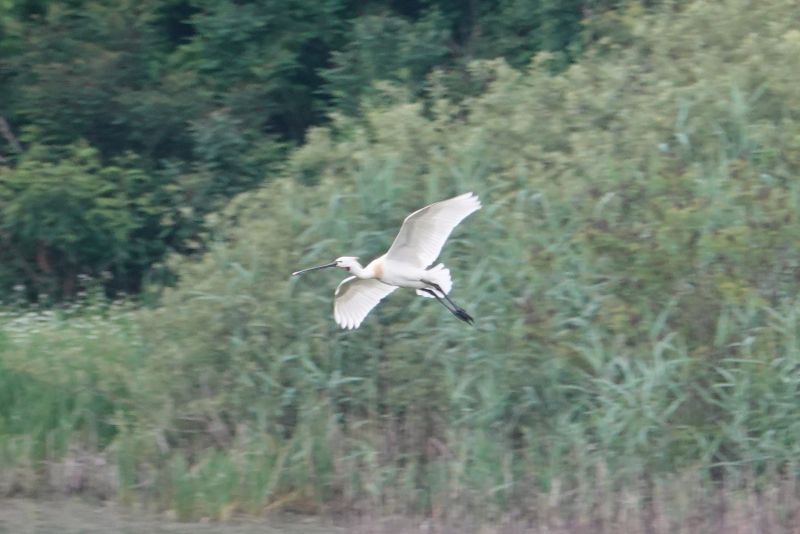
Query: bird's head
{"type": "Point", "coordinates": [343, 262]}
{"type": "Point", "coordinates": [347, 262]}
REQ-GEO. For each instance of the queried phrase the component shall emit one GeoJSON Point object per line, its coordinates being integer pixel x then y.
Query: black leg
{"type": "Point", "coordinates": [456, 310]}
{"type": "Point", "coordinates": [439, 289]}
{"type": "Point", "coordinates": [432, 293]}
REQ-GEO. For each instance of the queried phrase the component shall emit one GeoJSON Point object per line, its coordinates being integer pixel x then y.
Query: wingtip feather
{"type": "Point", "coordinates": [473, 199]}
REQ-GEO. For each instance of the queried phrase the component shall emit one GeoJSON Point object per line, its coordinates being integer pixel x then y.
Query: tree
{"type": "Point", "coordinates": [71, 216]}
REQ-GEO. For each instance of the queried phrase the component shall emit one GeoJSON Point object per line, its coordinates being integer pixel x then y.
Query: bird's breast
{"type": "Point", "coordinates": [401, 275]}
{"type": "Point", "coordinates": [378, 269]}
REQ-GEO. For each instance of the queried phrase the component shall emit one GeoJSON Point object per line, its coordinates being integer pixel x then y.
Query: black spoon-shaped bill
{"type": "Point", "coordinates": [331, 264]}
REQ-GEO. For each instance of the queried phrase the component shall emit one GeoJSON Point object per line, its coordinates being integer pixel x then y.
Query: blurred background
{"type": "Point", "coordinates": [634, 272]}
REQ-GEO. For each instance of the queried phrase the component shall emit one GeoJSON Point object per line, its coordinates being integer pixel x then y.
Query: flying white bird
{"type": "Point", "coordinates": [418, 244]}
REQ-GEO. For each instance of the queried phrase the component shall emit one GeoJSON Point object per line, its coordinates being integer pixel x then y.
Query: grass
{"type": "Point", "coordinates": [64, 385]}
{"type": "Point", "coordinates": [615, 440]}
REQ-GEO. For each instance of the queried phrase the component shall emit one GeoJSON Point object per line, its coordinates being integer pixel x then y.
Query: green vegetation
{"type": "Point", "coordinates": [633, 275]}
{"type": "Point", "coordinates": [200, 100]}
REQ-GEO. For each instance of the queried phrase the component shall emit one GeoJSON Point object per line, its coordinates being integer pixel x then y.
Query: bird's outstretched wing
{"type": "Point", "coordinates": [425, 231]}
{"type": "Point", "coordinates": [355, 298]}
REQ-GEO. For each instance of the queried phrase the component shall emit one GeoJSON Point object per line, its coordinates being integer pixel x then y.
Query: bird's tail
{"type": "Point", "coordinates": [440, 276]}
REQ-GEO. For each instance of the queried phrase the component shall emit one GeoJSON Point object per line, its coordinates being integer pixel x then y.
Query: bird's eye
{"type": "Point", "coordinates": [348, 269]}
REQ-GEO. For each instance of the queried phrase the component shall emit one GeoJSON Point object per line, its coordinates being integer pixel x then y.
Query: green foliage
{"type": "Point", "coordinates": [70, 217]}
{"type": "Point", "coordinates": [515, 29]}
{"type": "Point", "coordinates": [632, 273]}
{"type": "Point", "coordinates": [93, 73]}
{"type": "Point", "coordinates": [63, 387]}
{"type": "Point", "coordinates": [633, 255]}
{"type": "Point", "coordinates": [98, 74]}
{"type": "Point", "coordinates": [260, 60]}
{"type": "Point", "coordinates": [385, 48]}
{"type": "Point", "coordinates": [209, 96]}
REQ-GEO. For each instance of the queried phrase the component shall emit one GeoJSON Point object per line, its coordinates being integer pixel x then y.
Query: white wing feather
{"type": "Point", "coordinates": [425, 231]}
{"type": "Point", "coordinates": [355, 298]}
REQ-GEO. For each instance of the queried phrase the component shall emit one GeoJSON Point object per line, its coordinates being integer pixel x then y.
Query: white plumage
{"type": "Point", "coordinates": [416, 247]}
{"type": "Point", "coordinates": [425, 231]}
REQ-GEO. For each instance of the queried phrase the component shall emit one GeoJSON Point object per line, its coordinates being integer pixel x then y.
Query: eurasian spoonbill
{"type": "Point", "coordinates": [406, 263]}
